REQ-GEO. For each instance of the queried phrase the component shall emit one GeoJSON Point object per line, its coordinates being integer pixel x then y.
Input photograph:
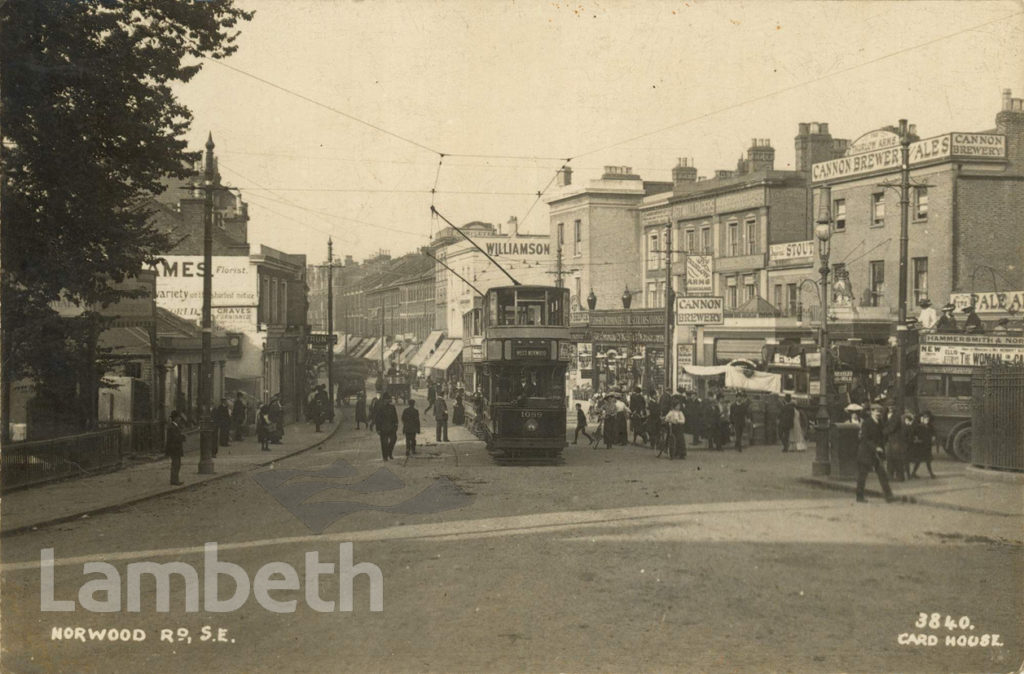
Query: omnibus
{"type": "Point", "coordinates": [946, 363]}
{"type": "Point", "coordinates": [521, 370]}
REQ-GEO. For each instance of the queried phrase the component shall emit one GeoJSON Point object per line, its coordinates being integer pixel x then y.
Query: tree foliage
{"type": "Point", "coordinates": [90, 129]}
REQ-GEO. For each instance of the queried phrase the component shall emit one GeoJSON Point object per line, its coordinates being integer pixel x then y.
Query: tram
{"type": "Point", "coordinates": [521, 371]}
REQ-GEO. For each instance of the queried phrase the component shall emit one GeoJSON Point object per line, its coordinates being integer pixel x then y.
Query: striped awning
{"type": "Point", "coordinates": [445, 355]}
{"type": "Point", "coordinates": [427, 349]}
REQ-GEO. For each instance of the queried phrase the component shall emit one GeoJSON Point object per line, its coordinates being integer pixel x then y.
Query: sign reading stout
{"type": "Point", "coordinates": [700, 311]}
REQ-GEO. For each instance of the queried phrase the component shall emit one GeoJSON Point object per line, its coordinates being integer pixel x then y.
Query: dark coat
{"type": "Point", "coordinates": [222, 416]}
{"type": "Point", "coordinates": [869, 440]}
{"type": "Point", "coordinates": [410, 421]}
{"type": "Point", "coordinates": [386, 418]}
{"type": "Point", "coordinates": [360, 410]}
{"type": "Point", "coordinates": [739, 412]}
{"type": "Point", "coordinates": [786, 414]}
{"type": "Point", "coordinates": [239, 412]}
{"type": "Point", "coordinates": [175, 445]}
{"type": "Point", "coordinates": [922, 439]}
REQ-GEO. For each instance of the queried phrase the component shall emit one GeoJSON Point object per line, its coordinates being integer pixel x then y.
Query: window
{"type": "Point", "coordinates": [930, 385]}
{"type": "Point", "coordinates": [733, 244]}
{"type": "Point", "coordinates": [652, 294]}
{"type": "Point", "coordinates": [273, 302]}
{"type": "Point", "coordinates": [878, 209]}
{"type": "Point", "coordinates": [579, 289]}
{"type": "Point", "coordinates": [791, 299]}
{"type": "Point", "coordinates": [839, 213]}
{"type": "Point", "coordinates": [653, 255]}
{"type": "Point", "coordinates": [777, 297]}
{"type": "Point", "coordinates": [705, 240]}
{"type": "Point", "coordinates": [876, 276]}
{"type": "Point", "coordinates": [751, 236]}
{"type": "Point", "coordinates": [282, 299]}
{"type": "Point", "coordinates": [920, 267]}
{"type": "Point", "coordinates": [749, 290]}
{"type": "Point", "coordinates": [959, 386]}
{"type": "Point", "coordinates": [691, 241]}
{"type": "Point", "coordinates": [577, 237]}
{"type": "Point", "coordinates": [561, 233]}
{"type": "Point", "coordinates": [731, 293]}
{"type": "Point", "coordinates": [921, 203]}
{"type": "Point", "coordinates": [133, 370]}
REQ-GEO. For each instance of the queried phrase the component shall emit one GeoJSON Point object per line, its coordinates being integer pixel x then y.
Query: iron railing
{"type": "Point", "coordinates": [997, 417]}
{"type": "Point", "coordinates": [139, 437]}
{"type": "Point", "coordinates": [27, 463]}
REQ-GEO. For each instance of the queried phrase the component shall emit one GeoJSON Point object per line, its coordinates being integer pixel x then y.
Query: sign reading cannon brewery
{"type": "Point", "coordinates": [698, 274]}
{"type": "Point", "coordinates": [1011, 301]}
{"type": "Point", "coordinates": [946, 146]}
{"type": "Point", "coordinates": [700, 311]}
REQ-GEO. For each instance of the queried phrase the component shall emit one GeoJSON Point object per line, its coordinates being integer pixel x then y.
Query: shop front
{"type": "Point", "coordinates": [619, 349]}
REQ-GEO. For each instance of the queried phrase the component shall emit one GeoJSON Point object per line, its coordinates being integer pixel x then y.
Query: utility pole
{"type": "Point", "coordinates": [669, 301]}
{"type": "Point", "coordinates": [558, 268]}
{"type": "Point", "coordinates": [330, 323]}
{"type": "Point", "coordinates": [207, 429]}
{"type": "Point", "coordinates": [901, 319]}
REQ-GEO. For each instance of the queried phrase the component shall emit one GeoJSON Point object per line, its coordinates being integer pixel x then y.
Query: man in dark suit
{"type": "Point", "coordinates": [785, 423]}
{"type": "Point", "coordinates": [410, 426]}
{"type": "Point", "coordinates": [386, 421]}
{"type": "Point", "coordinates": [870, 453]}
{"type": "Point", "coordinates": [739, 412]}
{"type": "Point", "coordinates": [175, 445]}
{"type": "Point", "coordinates": [238, 414]}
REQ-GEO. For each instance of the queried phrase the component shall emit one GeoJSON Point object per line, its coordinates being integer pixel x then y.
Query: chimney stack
{"type": "Point", "coordinates": [564, 176]}
{"type": "Point", "coordinates": [1010, 122]}
{"type": "Point", "coordinates": [814, 143]}
{"type": "Point", "coordinates": [760, 155]}
{"type": "Point", "coordinates": [513, 226]}
{"type": "Point", "coordinates": [684, 173]}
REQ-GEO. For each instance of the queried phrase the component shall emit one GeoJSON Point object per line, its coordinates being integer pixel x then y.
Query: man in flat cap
{"type": "Point", "coordinates": [870, 453]}
{"type": "Point", "coordinates": [973, 325]}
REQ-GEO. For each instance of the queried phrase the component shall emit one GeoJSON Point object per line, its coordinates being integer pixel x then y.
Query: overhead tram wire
{"type": "Point", "coordinates": [798, 85]}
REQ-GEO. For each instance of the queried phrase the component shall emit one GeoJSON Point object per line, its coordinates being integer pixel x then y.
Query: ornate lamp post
{"type": "Point", "coordinates": [823, 233]}
{"type": "Point", "coordinates": [591, 300]}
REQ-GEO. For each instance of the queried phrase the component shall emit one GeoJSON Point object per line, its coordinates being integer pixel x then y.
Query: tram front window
{"type": "Point", "coordinates": [527, 306]}
{"type": "Point", "coordinates": [516, 384]}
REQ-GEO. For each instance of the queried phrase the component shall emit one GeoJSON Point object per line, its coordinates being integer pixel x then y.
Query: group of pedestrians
{"type": "Point", "coordinates": [888, 445]}
{"type": "Point", "coordinates": [381, 415]}
{"type": "Point", "coordinates": [665, 418]}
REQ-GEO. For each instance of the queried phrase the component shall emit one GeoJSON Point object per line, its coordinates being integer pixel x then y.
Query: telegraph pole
{"type": "Point", "coordinates": [558, 269]}
{"type": "Point", "coordinates": [901, 319]}
{"type": "Point", "coordinates": [207, 429]}
{"type": "Point", "coordinates": [330, 323]}
{"type": "Point", "coordinates": [669, 301]}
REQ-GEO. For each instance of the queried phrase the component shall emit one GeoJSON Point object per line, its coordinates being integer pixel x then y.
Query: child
{"type": "Point", "coordinates": [264, 427]}
{"type": "Point", "coordinates": [581, 425]}
{"type": "Point", "coordinates": [900, 438]}
{"type": "Point", "coordinates": [921, 444]}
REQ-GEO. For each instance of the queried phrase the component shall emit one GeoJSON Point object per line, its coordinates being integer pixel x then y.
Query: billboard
{"type": "Point", "coordinates": [179, 289]}
{"type": "Point", "coordinates": [698, 274]}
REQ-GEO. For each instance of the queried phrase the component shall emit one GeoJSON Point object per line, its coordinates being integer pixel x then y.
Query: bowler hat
{"type": "Point", "coordinates": [949, 307]}
{"type": "Point", "coordinates": [968, 309]}
{"type": "Point", "coordinates": [925, 303]}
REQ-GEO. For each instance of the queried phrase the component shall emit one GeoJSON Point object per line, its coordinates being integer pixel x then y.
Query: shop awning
{"type": "Point", "coordinates": [373, 353]}
{"type": "Point", "coordinates": [443, 359]}
{"type": "Point", "coordinates": [731, 349]}
{"type": "Point", "coordinates": [391, 350]}
{"type": "Point", "coordinates": [408, 353]}
{"type": "Point", "coordinates": [427, 348]}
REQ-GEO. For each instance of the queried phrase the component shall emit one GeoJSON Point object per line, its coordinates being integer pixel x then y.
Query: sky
{"type": "Point", "coordinates": [338, 118]}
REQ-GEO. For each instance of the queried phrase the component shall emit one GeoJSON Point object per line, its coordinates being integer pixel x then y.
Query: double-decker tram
{"type": "Point", "coordinates": [526, 351]}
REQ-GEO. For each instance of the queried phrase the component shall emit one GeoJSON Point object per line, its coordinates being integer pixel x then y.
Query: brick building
{"type": "Point", "coordinates": [966, 210]}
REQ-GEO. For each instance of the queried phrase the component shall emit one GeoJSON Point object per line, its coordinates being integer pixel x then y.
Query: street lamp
{"type": "Point", "coordinates": [823, 233]}
{"type": "Point", "coordinates": [591, 300]}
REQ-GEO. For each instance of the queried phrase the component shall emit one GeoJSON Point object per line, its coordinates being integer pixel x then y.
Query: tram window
{"type": "Point", "coordinates": [530, 305]}
{"type": "Point", "coordinates": [788, 383]}
{"type": "Point", "coordinates": [959, 386]}
{"type": "Point", "coordinates": [556, 313]}
{"type": "Point", "coordinates": [503, 307]}
{"type": "Point", "coordinates": [930, 385]}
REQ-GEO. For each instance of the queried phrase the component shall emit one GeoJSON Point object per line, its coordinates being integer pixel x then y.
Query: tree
{"type": "Point", "coordinates": [91, 127]}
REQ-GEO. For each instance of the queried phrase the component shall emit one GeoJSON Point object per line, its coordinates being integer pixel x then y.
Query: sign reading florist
{"type": "Point", "coordinates": [179, 289]}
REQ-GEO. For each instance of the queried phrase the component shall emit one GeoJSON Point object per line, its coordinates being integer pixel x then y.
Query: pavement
{"type": "Point", "coordinates": [957, 487]}
{"type": "Point", "coordinates": [47, 504]}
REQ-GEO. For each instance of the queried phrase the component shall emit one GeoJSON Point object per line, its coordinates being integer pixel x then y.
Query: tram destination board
{"type": "Point", "coordinates": [531, 349]}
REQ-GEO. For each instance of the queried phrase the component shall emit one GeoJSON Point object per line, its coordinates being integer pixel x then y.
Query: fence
{"type": "Point", "coordinates": [139, 437]}
{"type": "Point", "coordinates": [997, 417]}
{"type": "Point", "coordinates": [27, 463]}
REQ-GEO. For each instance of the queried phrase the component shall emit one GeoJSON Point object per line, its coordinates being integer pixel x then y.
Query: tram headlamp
{"type": "Point", "coordinates": [531, 425]}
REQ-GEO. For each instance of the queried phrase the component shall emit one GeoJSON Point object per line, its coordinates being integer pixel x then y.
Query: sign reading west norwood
{"type": "Point", "coordinates": [947, 146]}
{"type": "Point", "coordinates": [700, 310]}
